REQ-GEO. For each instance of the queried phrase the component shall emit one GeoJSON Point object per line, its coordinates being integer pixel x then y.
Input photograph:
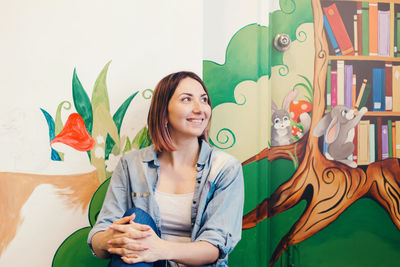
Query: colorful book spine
{"type": "Point", "coordinates": [355, 35]}
{"type": "Point", "coordinates": [363, 143]}
{"type": "Point", "coordinates": [355, 143]}
{"type": "Point", "coordinates": [331, 36]}
{"type": "Point", "coordinates": [385, 144]}
{"type": "Point", "coordinates": [373, 29]}
{"type": "Point", "coordinates": [390, 138]}
{"type": "Point", "coordinates": [365, 27]}
{"type": "Point", "coordinates": [388, 86]}
{"type": "Point", "coordinates": [365, 96]}
{"type": "Point", "coordinates": [397, 126]}
{"type": "Point", "coordinates": [360, 94]}
{"type": "Point", "coordinates": [396, 88]}
{"type": "Point", "coordinates": [354, 92]}
{"type": "Point", "coordinates": [334, 88]}
{"type": "Point", "coordinates": [379, 138]}
{"type": "Point", "coordinates": [348, 86]}
{"type": "Point", "coordinates": [328, 86]}
{"type": "Point", "coordinates": [394, 139]}
{"type": "Point", "coordinates": [383, 33]}
{"type": "Point", "coordinates": [359, 28]}
{"type": "Point", "coordinates": [378, 101]}
{"type": "Point", "coordinates": [397, 44]}
{"type": "Point", "coordinates": [391, 43]}
{"type": "Point", "coordinates": [340, 82]}
{"type": "Point", "coordinates": [371, 142]}
{"type": "Point", "coordinates": [339, 30]}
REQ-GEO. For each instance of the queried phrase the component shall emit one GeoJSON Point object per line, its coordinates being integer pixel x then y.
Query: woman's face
{"type": "Point", "coordinates": [188, 110]}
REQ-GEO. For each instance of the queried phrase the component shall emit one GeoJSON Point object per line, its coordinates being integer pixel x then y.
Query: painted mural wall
{"type": "Point", "coordinates": [76, 84]}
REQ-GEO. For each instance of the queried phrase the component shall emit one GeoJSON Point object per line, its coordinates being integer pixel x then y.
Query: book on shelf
{"type": "Point", "coordinates": [334, 88]}
{"type": "Point", "coordinates": [390, 138]}
{"type": "Point", "coordinates": [396, 88]}
{"type": "Point", "coordinates": [397, 35]}
{"type": "Point", "coordinates": [378, 135]}
{"type": "Point", "coordinates": [393, 139]}
{"type": "Point", "coordinates": [391, 43]}
{"type": "Point", "coordinates": [331, 36]}
{"type": "Point", "coordinates": [363, 143]}
{"type": "Point", "coordinates": [340, 82]}
{"type": "Point", "coordinates": [355, 34]}
{"type": "Point", "coordinates": [358, 105]}
{"type": "Point", "coordinates": [383, 33]}
{"type": "Point", "coordinates": [365, 27]}
{"type": "Point", "coordinates": [397, 129]}
{"type": "Point", "coordinates": [355, 143]}
{"type": "Point", "coordinates": [328, 86]}
{"type": "Point", "coordinates": [388, 86]}
{"type": "Point", "coordinates": [359, 28]}
{"type": "Point", "coordinates": [348, 86]}
{"type": "Point", "coordinates": [371, 142]}
{"type": "Point", "coordinates": [378, 89]}
{"type": "Point", "coordinates": [354, 92]}
{"type": "Point", "coordinates": [385, 142]}
{"type": "Point", "coordinates": [339, 30]}
{"type": "Point", "coordinates": [373, 29]}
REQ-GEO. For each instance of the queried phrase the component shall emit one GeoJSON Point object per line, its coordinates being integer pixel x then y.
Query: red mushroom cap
{"type": "Point", "coordinates": [298, 107]}
{"type": "Point", "coordinates": [296, 131]}
{"type": "Point", "coordinates": [75, 134]}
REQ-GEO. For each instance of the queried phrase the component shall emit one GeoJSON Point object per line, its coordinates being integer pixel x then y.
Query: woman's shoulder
{"type": "Point", "coordinates": [139, 155]}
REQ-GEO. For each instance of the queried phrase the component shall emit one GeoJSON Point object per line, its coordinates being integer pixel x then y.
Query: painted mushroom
{"type": "Point", "coordinates": [298, 107]}
{"type": "Point", "coordinates": [75, 134]}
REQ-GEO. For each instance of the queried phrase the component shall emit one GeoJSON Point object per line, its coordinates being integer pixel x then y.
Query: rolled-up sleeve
{"type": "Point", "coordinates": [115, 203]}
{"type": "Point", "coordinates": [222, 217]}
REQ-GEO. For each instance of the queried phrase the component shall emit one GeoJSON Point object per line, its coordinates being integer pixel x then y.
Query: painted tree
{"type": "Point", "coordinates": [329, 187]}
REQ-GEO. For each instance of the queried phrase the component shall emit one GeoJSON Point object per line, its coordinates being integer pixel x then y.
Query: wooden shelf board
{"type": "Point", "coordinates": [365, 58]}
{"type": "Point", "coordinates": [382, 114]}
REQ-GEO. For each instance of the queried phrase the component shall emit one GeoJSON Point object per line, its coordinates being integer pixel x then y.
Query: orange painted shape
{"type": "Point", "coordinates": [75, 134]}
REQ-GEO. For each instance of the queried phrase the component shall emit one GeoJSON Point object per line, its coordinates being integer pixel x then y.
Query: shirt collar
{"type": "Point", "coordinates": [150, 155]}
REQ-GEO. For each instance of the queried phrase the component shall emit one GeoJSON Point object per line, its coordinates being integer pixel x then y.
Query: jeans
{"type": "Point", "coordinates": [141, 217]}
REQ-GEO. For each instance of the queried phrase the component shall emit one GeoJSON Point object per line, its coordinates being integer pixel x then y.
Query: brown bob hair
{"type": "Point", "coordinates": [158, 113]}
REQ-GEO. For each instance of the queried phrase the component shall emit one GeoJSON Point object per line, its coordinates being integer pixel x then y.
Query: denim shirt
{"type": "Point", "coordinates": [217, 206]}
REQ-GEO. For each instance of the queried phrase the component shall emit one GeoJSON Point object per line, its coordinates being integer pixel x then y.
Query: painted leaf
{"type": "Point", "coordinates": [128, 145]}
{"type": "Point", "coordinates": [75, 134]}
{"type": "Point", "coordinates": [58, 123]}
{"type": "Point", "coordinates": [100, 94]}
{"type": "Point", "coordinates": [50, 123]}
{"type": "Point", "coordinates": [140, 138]}
{"type": "Point", "coordinates": [74, 251]}
{"type": "Point", "coordinates": [97, 202]}
{"type": "Point", "coordinates": [103, 125]}
{"type": "Point", "coordinates": [120, 113]}
{"type": "Point", "coordinates": [82, 102]}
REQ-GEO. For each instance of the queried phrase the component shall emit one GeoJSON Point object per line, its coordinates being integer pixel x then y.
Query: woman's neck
{"type": "Point", "coordinates": [186, 153]}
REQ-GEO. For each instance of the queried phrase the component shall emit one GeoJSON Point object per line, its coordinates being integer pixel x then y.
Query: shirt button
{"type": "Point", "coordinates": [194, 202]}
{"type": "Point", "coordinates": [198, 181]}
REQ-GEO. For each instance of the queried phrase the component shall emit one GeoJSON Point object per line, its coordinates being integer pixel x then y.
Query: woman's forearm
{"type": "Point", "coordinates": [192, 253]}
{"type": "Point", "coordinates": [99, 244]}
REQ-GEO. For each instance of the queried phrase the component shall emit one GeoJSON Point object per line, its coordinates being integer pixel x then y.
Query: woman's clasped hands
{"type": "Point", "coordinates": [134, 242]}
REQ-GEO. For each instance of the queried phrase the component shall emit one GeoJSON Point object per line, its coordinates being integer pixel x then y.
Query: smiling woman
{"type": "Point", "coordinates": [180, 199]}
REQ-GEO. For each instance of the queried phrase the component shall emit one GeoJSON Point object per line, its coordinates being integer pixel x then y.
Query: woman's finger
{"type": "Point", "coordinates": [126, 219]}
{"type": "Point", "coordinates": [130, 259]}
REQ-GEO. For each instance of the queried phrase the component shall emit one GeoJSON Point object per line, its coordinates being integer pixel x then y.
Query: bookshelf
{"type": "Point", "coordinates": [361, 67]}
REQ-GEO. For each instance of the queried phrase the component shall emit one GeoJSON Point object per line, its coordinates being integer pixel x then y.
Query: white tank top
{"type": "Point", "coordinates": [175, 212]}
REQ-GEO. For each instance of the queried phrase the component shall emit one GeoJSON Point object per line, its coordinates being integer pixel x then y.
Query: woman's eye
{"type": "Point", "coordinates": [186, 99]}
{"type": "Point", "coordinates": [204, 100]}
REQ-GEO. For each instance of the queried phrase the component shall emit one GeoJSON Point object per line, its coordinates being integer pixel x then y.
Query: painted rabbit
{"type": "Point", "coordinates": [281, 131]}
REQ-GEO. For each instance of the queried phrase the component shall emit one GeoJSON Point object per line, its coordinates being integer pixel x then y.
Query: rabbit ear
{"type": "Point", "coordinates": [289, 98]}
{"type": "Point", "coordinates": [333, 131]}
{"type": "Point", "coordinates": [273, 106]}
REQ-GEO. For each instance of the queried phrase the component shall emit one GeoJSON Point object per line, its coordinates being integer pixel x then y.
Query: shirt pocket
{"type": "Point", "coordinates": [141, 200]}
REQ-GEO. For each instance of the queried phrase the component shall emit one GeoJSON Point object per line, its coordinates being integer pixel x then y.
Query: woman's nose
{"type": "Point", "coordinates": [196, 107]}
